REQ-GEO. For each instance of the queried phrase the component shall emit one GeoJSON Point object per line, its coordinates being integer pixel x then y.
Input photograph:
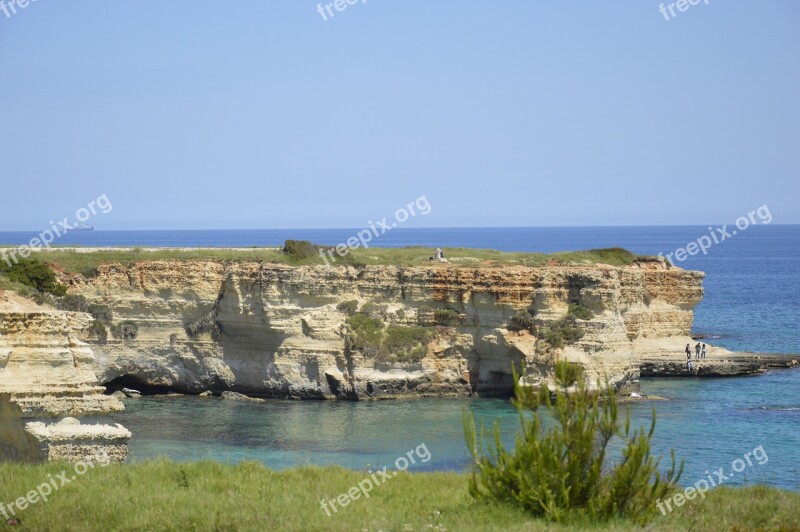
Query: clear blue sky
{"type": "Point", "coordinates": [260, 114]}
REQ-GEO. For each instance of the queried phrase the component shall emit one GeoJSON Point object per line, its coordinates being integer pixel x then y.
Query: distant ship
{"type": "Point", "coordinates": [83, 227]}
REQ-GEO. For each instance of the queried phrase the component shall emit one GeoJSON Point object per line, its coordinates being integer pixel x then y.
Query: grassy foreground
{"type": "Point", "coordinates": [209, 496]}
{"type": "Point", "coordinates": [85, 261]}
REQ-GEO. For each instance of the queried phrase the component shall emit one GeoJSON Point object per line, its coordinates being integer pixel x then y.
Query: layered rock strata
{"type": "Point", "coordinates": [274, 330]}
{"type": "Point", "coordinates": [51, 407]}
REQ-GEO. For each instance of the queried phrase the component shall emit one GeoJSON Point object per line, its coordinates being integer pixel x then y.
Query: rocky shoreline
{"type": "Point", "coordinates": [727, 364]}
{"type": "Point", "coordinates": [274, 330]}
{"type": "Point", "coordinates": [269, 330]}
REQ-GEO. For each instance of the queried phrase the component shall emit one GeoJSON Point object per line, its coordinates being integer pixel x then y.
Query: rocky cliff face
{"type": "Point", "coordinates": [51, 407]}
{"type": "Point", "coordinates": [275, 330]}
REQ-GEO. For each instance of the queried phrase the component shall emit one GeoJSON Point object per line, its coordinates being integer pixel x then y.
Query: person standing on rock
{"type": "Point", "coordinates": [697, 351]}
{"type": "Point", "coordinates": [688, 352]}
{"type": "Point", "coordinates": [703, 352]}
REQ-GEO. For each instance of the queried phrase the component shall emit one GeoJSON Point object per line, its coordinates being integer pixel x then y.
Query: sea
{"type": "Point", "coordinates": [748, 426]}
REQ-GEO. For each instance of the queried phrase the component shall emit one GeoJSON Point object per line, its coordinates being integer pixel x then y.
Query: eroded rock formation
{"type": "Point", "coordinates": [51, 407]}
{"type": "Point", "coordinates": [275, 330]}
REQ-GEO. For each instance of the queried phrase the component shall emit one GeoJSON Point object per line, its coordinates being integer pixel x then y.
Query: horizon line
{"type": "Point", "coordinates": [402, 228]}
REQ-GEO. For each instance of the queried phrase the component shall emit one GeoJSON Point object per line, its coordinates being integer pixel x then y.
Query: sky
{"type": "Point", "coordinates": [262, 114]}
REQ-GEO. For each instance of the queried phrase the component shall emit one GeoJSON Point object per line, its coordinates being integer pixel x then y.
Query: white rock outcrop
{"type": "Point", "coordinates": [268, 329]}
{"type": "Point", "coordinates": [51, 407]}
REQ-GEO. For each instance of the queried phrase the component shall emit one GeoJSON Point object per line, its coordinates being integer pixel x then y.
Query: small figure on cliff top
{"type": "Point", "coordinates": [688, 352]}
{"type": "Point", "coordinates": [697, 350]}
{"type": "Point", "coordinates": [438, 255]}
{"type": "Point", "coordinates": [703, 352]}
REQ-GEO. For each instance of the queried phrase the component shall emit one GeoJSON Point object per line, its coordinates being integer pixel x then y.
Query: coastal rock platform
{"type": "Point", "coordinates": [667, 359]}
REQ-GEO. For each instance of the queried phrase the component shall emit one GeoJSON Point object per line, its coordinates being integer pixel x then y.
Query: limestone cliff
{"type": "Point", "coordinates": [46, 382]}
{"type": "Point", "coordinates": [275, 330]}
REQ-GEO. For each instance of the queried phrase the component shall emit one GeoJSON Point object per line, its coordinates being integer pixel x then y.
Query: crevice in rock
{"type": "Point", "coordinates": [134, 383]}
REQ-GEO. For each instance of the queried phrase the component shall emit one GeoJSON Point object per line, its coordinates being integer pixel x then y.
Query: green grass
{"type": "Point", "coordinates": [87, 262]}
{"type": "Point", "coordinates": [15, 286]}
{"type": "Point", "coordinates": [210, 496]}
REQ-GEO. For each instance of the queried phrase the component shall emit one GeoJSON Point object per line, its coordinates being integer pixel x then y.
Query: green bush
{"type": "Point", "coordinates": [348, 307]}
{"type": "Point", "coordinates": [374, 310]}
{"type": "Point", "coordinates": [98, 331]}
{"type": "Point", "coordinates": [365, 332]}
{"type": "Point", "coordinates": [580, 312]}
{"type": "Point", "coordinates": [207, 323]}
{"type": "Point", "coordinates": [126, 330]}
{"type": "Point", "coordinates": [521, 321]}
{"type": "Point", "coordinates": [73, 303]}
{"type": "Point", "coordinates": [405, 344]}
{"type": "Point", "coordinates": [34, 273]}
{"type": "Point", "coordinates": [446, 316]}
{"type": "Point", "coordinates": [102, 313]}
{"type": "Point", "coordinates": [561, 472]}
{"type": "Point", "coordinates": [394, 343]}
{"type": "Point", "coordinates": [300, 249]}
{"type": "Point", "coordinates": [563, 332]}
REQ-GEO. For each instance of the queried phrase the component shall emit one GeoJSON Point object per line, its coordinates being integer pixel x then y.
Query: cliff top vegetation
{"type": "Point", "coordinates": [78, 260]}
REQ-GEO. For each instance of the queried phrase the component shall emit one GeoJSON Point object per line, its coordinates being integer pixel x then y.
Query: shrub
{"type": "Point", "coordinates": [405, 344]}
{"type": "Point", "coordinates": [374, 310]}
{"type": "Point", "coordinates": [580, 312]}
{"type": "Point", "coordinates": [73, 303]}
{"type": "Point", "coordinates": [563, 332]}
{"type": "Point", "coordinates": [366, 331]}
{"type": "Point", "coordinates": [34, 273]}
{"type": "Point", "coordinates": [446, 316]}
{"type": "Point", "coordinates": [521, 321]}
{"type": "Point", "coordinates": [561, 472]}
{"type": "Point", "coordinates": [126, 330]}
{"type": "Point", "coordinates": [102, 313]}
{"type": "Point", "coordinates": [348, 307]}
{"type": "Point", "coordinates": [42, 298]}
{"type": "Point", "coordinates": [207, 323]}
{"type": "Point", "coordinates": [89, 272]}
{"type": "Point", "coordinates": [98, 331]}
{"type": "Point", "coordinates": [300, 249]}
{"type": "Point", "coordinates": [394, 343]}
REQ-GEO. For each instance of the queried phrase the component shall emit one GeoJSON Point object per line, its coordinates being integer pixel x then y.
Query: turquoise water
{"type": "Point", "coordinates": [709, 423]}
{"type": "Point", "coordinates": [752, 302]}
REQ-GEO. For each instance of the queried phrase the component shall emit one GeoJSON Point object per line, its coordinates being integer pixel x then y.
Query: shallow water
{"type": "Point", "coordinates": [709, 423]}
